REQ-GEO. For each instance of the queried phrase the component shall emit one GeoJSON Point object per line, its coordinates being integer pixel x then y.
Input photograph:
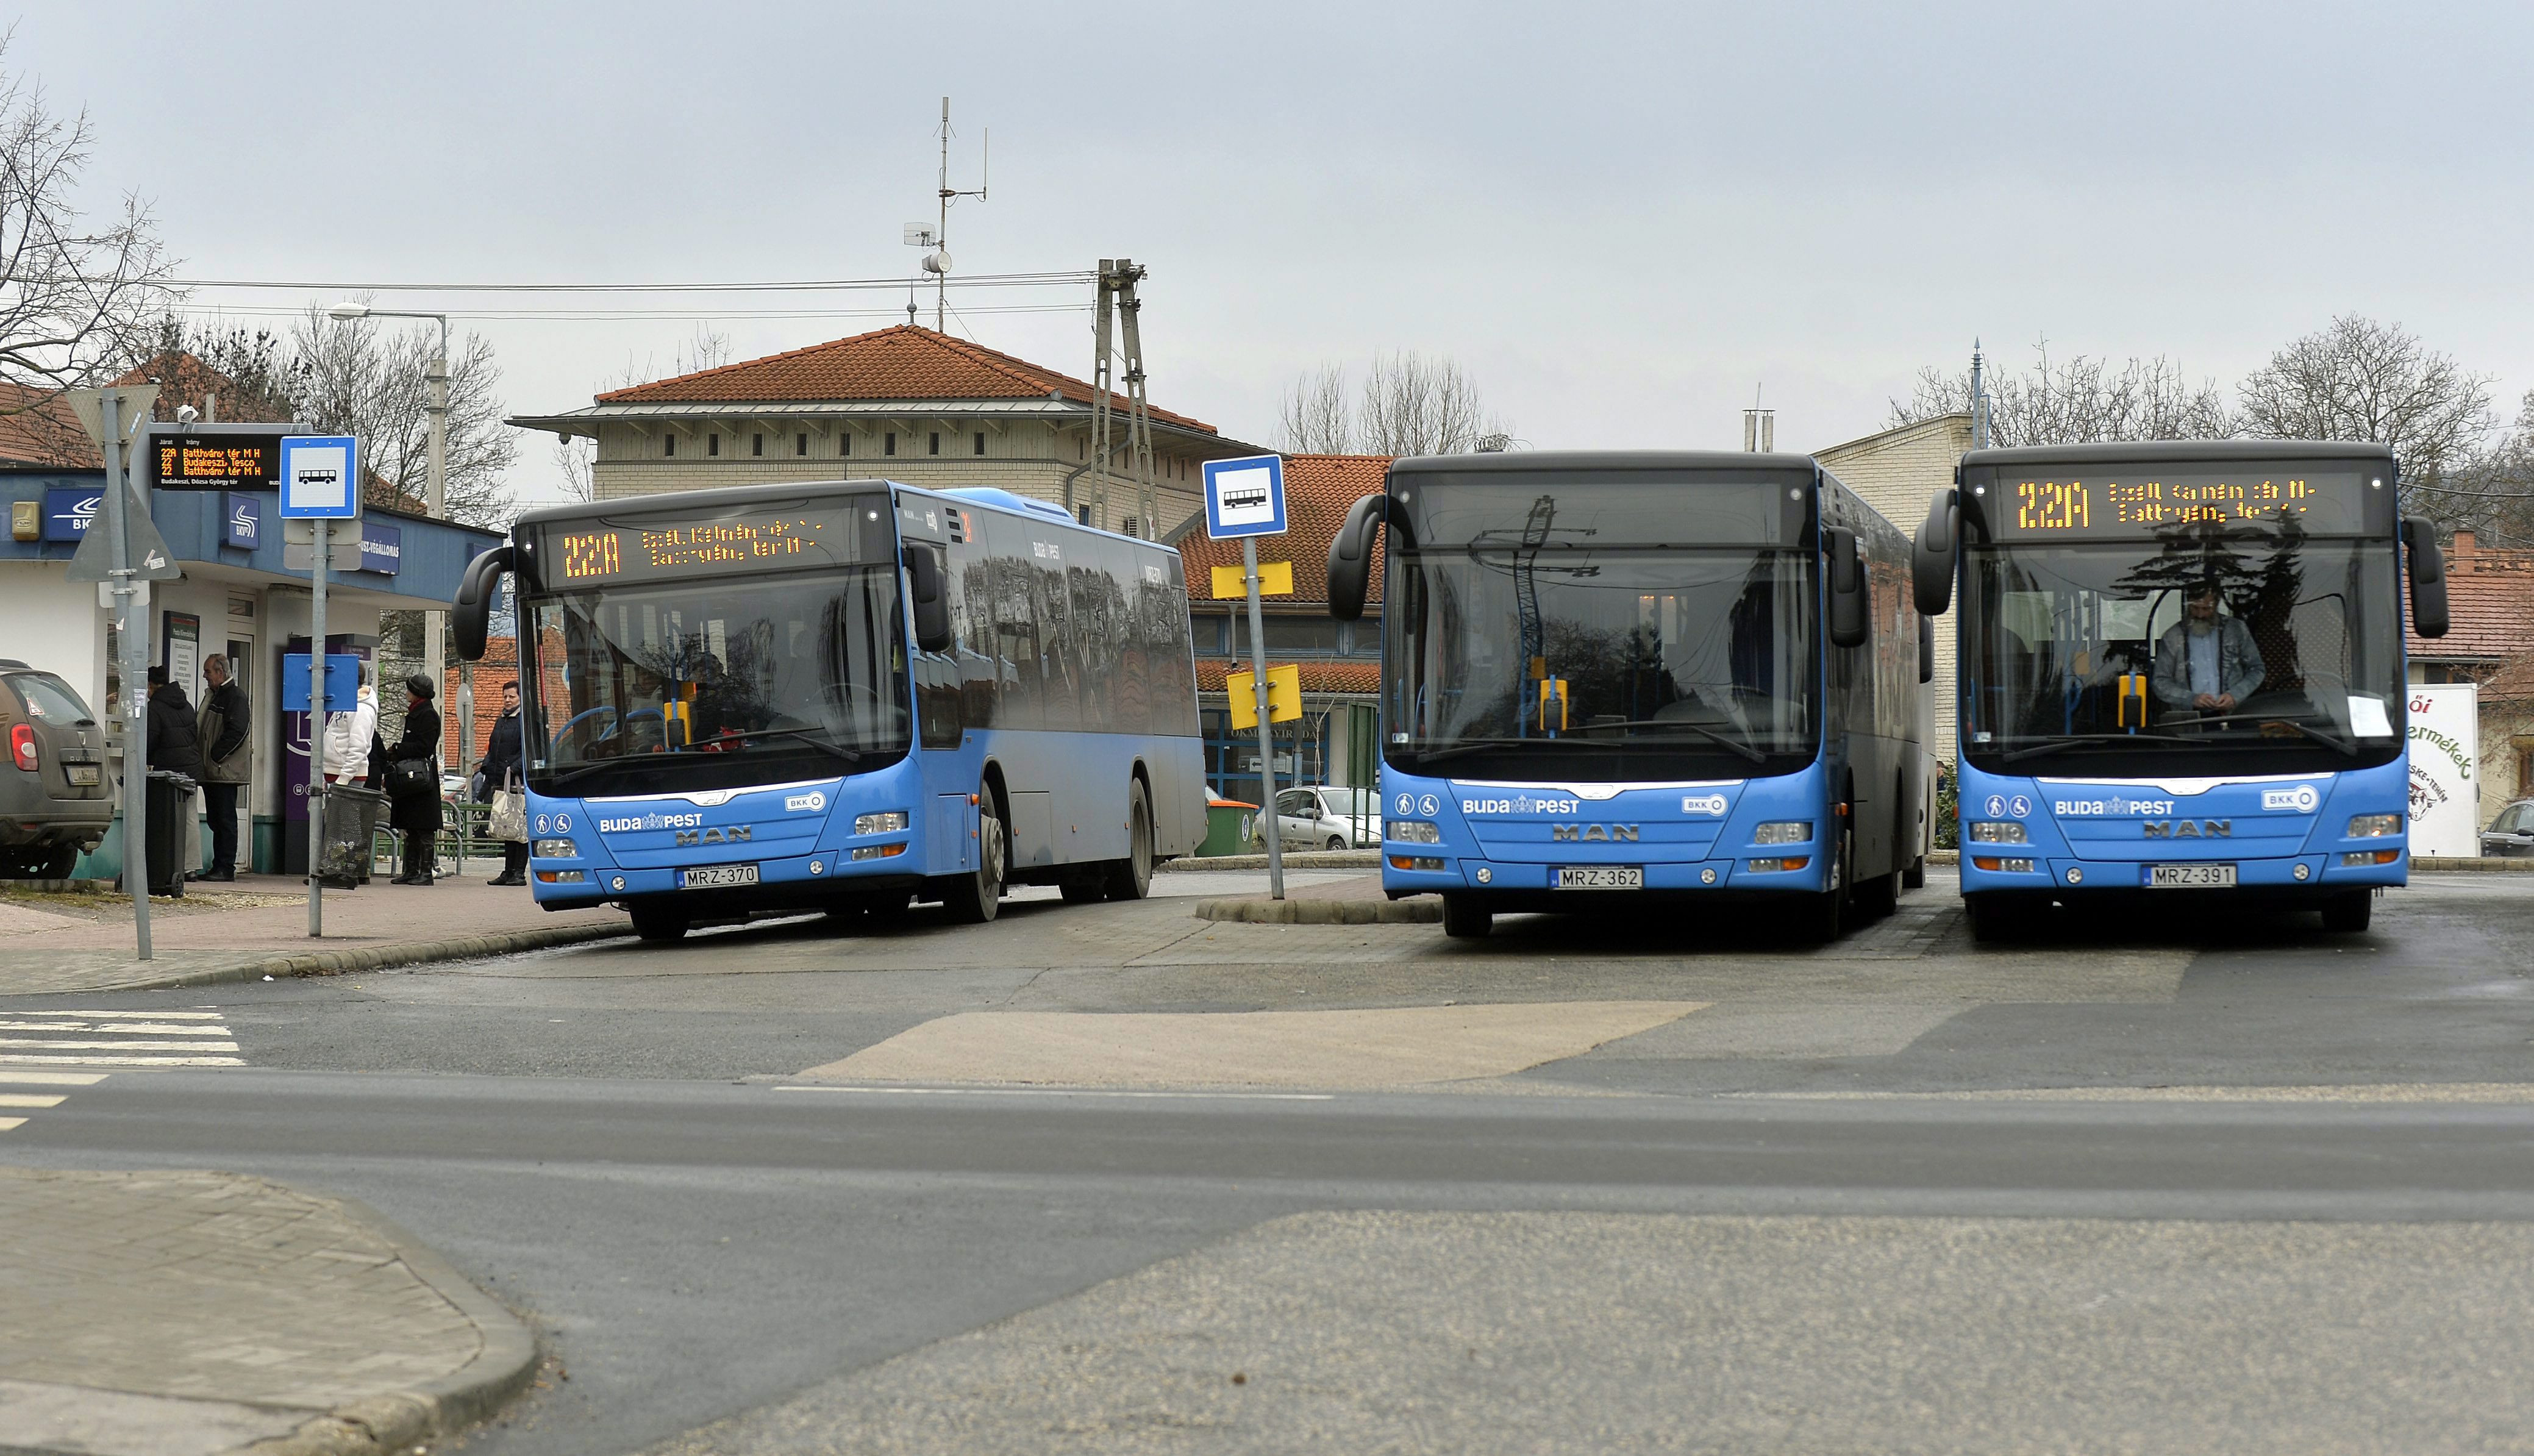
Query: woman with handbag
{"type": "Point", "coordinates": [413, 782]}
{"type": "Point", "coordinates": [500, 774]}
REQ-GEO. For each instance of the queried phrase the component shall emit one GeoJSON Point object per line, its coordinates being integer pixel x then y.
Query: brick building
{"type": "Point", "coordinates": [2490, 593]}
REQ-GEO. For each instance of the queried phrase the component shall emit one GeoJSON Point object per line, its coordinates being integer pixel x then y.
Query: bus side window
{"type": "Point", "coordinates": [937, 696]}
{"type": "Point", "coordinates": [1017, 663]}
{"type": "Point", "coordinates": [972, 618]}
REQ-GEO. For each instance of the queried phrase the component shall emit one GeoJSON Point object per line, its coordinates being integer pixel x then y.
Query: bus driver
{"type": "Point", "coordinates": [2207, 661]}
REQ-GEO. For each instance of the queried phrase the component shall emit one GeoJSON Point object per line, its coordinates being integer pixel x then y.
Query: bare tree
{"type": "Point", "coordinates": [2362, 380]}
{"type": "Point", "coordinates": [258, 373]}
{"type": "Point", "coordinates": [1317, 418]}
{"type": "Point", "coordinates": [575, 458]}
{"type": "Point", "coordinates": [355, 378]}
{"type": "Point", "coordinates": [76, 300]}
{"type": "Point", "coordinates": [2078, 401]}
{"type": "Point", "coordinates": [1413, 406]}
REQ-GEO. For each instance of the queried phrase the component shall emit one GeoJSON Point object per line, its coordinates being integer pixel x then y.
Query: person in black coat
{"type": "Point", "coordinates": [505, 759]}
{"type": "Point", "coordinates": [415, 812]}
{"type": "Point", "coordinates": [175, 737]}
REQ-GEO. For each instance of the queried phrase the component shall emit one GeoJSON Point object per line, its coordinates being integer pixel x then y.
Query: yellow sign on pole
{"type": "Point", "coordinates": [1284, 695]}
{"type": "Point", "coordinates": [1275, 578]}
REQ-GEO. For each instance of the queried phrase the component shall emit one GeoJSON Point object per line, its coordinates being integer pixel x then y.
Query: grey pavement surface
{"type": "Point", "coordinates": [193, 1310]}
{"type": "Point", "coordinates": [602, 1136]}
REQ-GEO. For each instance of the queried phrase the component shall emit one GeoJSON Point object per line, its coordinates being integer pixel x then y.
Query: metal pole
{"type": "Point", "coordinates": [1266, 729]}
{"type": "Point", "coordinates": [435, 624]}
{"type": "Point", "coordinates": [319, 561]}
{"type": "Point", "coordinates": [132, 618]}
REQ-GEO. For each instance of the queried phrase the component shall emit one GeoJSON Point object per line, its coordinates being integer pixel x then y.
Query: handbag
{"type": "Point", "coordinates": [509, 819]}
{"type": "Point", "coordinates": [412, 776]}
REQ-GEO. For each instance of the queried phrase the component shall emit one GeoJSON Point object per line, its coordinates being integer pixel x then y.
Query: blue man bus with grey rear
{"type": "Point", "coordinates": [843, 695]}
{"type": "Point", "coordinates": [2181, 670]}
{"type": "Point", "coordinates": [1609, 676]}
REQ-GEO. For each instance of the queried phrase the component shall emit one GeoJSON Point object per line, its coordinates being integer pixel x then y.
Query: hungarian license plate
{"type": "Point", "coordinates": [2190, 877]}
{"type": "Point", "coordinates": [716, 876]}
{"type": "Point", "coordinates": [1600, 877]}
{"type": "Point", "coordinates": [80, 775]}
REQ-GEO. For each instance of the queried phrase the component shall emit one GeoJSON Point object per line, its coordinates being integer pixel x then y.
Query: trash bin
{"type": "Point", "coordinates": [168, 803]}
{"type": "Point", "coordinates": [1227, 827]}
{"type": "Point", "coordinates": [345, 852]}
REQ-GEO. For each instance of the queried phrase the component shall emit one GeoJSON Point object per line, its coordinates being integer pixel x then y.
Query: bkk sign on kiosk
{"type": "Point", "coordinates": [2446, 769]}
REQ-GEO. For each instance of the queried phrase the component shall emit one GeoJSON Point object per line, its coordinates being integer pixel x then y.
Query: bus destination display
{"type": "Point", "coordinates": [2132, 506]}
{"type": "Point", "coordinates": [730, 545]}
{"type": "Point", "coordinates": [215, 461]}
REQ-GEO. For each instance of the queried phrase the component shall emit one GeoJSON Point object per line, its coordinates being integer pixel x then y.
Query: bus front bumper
{"type": "Point", "coordinates": [578, 884]}
{"type": "Point", "coordinates": [2285, 875]}
{"type": "Point", "coordinates": [1425, 872]}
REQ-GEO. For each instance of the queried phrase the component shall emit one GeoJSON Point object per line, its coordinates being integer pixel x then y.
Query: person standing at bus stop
{"type": "Point", "coordinates": [412, 779]}
{"type": "Point", "coordinates": [504, 755]}
{"type": "Point", "coordinates": [227, 753]}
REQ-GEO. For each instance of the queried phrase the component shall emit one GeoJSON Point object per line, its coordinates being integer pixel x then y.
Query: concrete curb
{"type": "Point", "coordinates": [393, 1420]}
{"type": "Point", "coordinates": [1300, 859]}
{"type": "Point", "coordinates": [374, 958]}
{"type": "Point", "coordinates": [1423, 910]}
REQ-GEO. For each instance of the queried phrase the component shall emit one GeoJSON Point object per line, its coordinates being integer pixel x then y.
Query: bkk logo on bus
{"type": "Point", "coordinates": [652, 820]}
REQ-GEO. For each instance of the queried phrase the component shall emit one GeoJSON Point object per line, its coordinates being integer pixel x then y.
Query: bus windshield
{"type": "Point", "coordinates": [2270, 648]}
{"type": "Point", "coordinates": [1629, 663]}
{"type": "Point", "coordinates": [720, 683]}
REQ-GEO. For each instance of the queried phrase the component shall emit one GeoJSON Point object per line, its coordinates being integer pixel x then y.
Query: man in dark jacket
{"type": "Point", "coordinates": [500, 770]}
{"type": "Point", "coordinates": [227, 753]}
{"type": "Point", "coordinates": [415, 808]}
{"type": "Point", "coordinates": [175, 740]}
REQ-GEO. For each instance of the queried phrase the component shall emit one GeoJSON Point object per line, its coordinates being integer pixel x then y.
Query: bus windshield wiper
{"type": "Point", "coordinates": [2074, 739]}
{"type": "Point", "coordinates": [1735, 744]}
{"type": "Point", "coordinates": [850, 756]}
{"type": "Point", "coordinates": [2347, 747]}
{"type": "Point", "coordinates": [575, 775]}
{"type": "Point", "coordinates": [1480, 745]}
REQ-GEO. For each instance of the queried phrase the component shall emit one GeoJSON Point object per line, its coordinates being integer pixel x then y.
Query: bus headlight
{"type": "Point", "coordinates": [1412, 831]}
{"type": "Point", "coordinates": [879, 823]}
{"type": "Point", "coordinates": [2374, 825]}
{"type": "Point", "coordinates": [1994, 832]}
{"type": "Point", "coordinates": [1785, 831]}
{"type": "Point", "coordinates": [555, 849]}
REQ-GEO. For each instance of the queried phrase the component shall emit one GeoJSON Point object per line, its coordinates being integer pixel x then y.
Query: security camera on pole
{"type": "Point", "coordinates": [320, 484]}
{"type": "Point", "coordinates": [1246, 499]}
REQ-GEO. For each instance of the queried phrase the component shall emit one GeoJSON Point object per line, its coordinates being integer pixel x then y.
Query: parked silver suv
{"type": "Point", "coordinates": [55, 800]}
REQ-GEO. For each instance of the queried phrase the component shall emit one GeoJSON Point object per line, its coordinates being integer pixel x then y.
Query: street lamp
{"type": "Point", "coordinates": [435, 490]}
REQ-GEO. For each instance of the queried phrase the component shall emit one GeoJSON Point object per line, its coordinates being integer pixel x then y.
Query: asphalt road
{"type": "Point", "coordinates": [2189, 1185]}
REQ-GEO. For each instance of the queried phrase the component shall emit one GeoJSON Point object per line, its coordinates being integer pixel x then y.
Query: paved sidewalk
{"type": "Point", "coordinates": [258, 926]}
{"type": "Point", "coordinates": [177, 1314]}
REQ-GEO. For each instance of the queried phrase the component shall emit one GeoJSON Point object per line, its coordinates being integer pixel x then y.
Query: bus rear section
{"type": "Point", "coordinates": [1609, 676]}
{"type": "Point", "coordinates": [2182, 674]}
{"type": "Point", "coordinates": [845, 697]}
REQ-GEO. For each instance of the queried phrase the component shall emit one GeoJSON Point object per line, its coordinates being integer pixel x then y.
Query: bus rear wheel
{"type": "Point", "coordinates": [1466, 918]}
{"type": "Point", "coordinates": [2349, 910]}
{"type": "Point", "coordinates": [653, 922]}
{"type": "Point", "coordinates": [974, 898]}
{"type": "Point", "coordinates": [1132, 879]}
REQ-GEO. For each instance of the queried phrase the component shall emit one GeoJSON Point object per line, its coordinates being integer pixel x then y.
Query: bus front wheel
{"type": "Point", "coordinates": [1996, 917]}
{"type": "Point", "coordinates": [1466, 918]}
{"type": "Point", "coordinates": [973, 898]}
{"type": "Point", "coordinates": [2349, 910]}
{"type": "Point", "coordinates": [654, 922]}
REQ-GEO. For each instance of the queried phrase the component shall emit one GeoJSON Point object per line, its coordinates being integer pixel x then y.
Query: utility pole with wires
{"type": "Point", "coordinates": [1979, 399]}
{"type": "Point", "coordinates": [1117, 279]}
{"type": "Point", "coordinates": [935, 235]}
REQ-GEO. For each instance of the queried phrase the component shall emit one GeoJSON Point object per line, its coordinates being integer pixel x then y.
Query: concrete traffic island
{"type": "Point", "coordinates": [186, 1313]}
{"type": "Point", "coordinates": [1356, 901]}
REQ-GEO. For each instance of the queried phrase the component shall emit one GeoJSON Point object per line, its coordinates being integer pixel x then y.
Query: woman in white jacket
{"type": "Point", "coordinates": [347, 738]}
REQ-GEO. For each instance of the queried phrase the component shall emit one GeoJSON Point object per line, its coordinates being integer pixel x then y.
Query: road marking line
{"type": "Point", "coordinates": [140, 1015]}
{"type": "Point", "coordinates": [2482, 1092]}
{"type": "Point", "coordinates": [7, 1124]}
{"type": "Point", "coordinates": [115, 1028]}
{"type": "Point", "coordinates": [128, 1061]}
{"type": "Point", "coordinates": [44, 1043]}
{"type": "Point", "coordinates": [52, 1079]}
{"type": "Point", "coordinates": [1068, 1092]}
{"type": "Point", "coordinates": [29, 1099]}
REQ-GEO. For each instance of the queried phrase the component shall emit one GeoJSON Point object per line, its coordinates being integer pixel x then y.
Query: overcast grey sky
{"type": "Point", "coordinates": [1619, 218]}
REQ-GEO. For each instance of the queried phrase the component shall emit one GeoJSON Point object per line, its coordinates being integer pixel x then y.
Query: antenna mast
{"type": "Point", "coordinates": [938, 262]}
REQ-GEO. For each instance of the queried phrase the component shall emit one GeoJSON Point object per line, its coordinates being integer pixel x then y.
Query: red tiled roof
{"type": "Point", "coordinates": [905, 362]}
{"type": "Point", "coordinates": [1319, 491]}
{"type": "Point", "coordinates": [1318, 677]}
{"type": "Point", "coordinates": [2512, 683]}
{"type": "Point", "coordinates": [37, 428]}
{"type": "Point", "coordinates": [2490, 599]}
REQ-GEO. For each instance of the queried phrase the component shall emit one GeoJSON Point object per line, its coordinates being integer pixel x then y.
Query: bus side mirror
{"type": "Point", "coordinates": [1846, 590]}
{"type": "Point", "coordinates": [470, 615]}
{"type": "Point", "coordinates": [1351, 557]}
{"type": "Point", "coordinates": [2428, 616]}
{"type": "Point", "coordinates": [1931, 556]}
{"type": "Point", "coordinates": [1926, 649]}
{"type": "Point", "coordinates": [924, 590]}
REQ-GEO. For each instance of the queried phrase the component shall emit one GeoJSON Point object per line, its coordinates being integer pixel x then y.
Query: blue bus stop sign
{"type": "Point", "coordinates": [1245, 497]}
{"type": "Point", "coordinates": [320, 477]}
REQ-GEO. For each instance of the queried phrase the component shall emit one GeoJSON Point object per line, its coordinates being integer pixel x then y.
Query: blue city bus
{"type": "Point", "coordinates": [844, 695]}
{"type": "Point", "coordinates": [1614, 675]}
{"type": "Point", "coordinates": [2181, 669]}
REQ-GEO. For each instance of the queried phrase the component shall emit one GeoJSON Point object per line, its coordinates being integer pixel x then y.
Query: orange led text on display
{"type": "Point", "coordinates": [2045, 505]}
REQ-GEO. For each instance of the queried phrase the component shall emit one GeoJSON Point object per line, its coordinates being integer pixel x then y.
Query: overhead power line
{"type": "Point", "coordinates": [1068, 278]}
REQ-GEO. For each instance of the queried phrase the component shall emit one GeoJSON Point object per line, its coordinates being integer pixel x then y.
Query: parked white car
{"type": "Point", "coordinates": [1326, 817]}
